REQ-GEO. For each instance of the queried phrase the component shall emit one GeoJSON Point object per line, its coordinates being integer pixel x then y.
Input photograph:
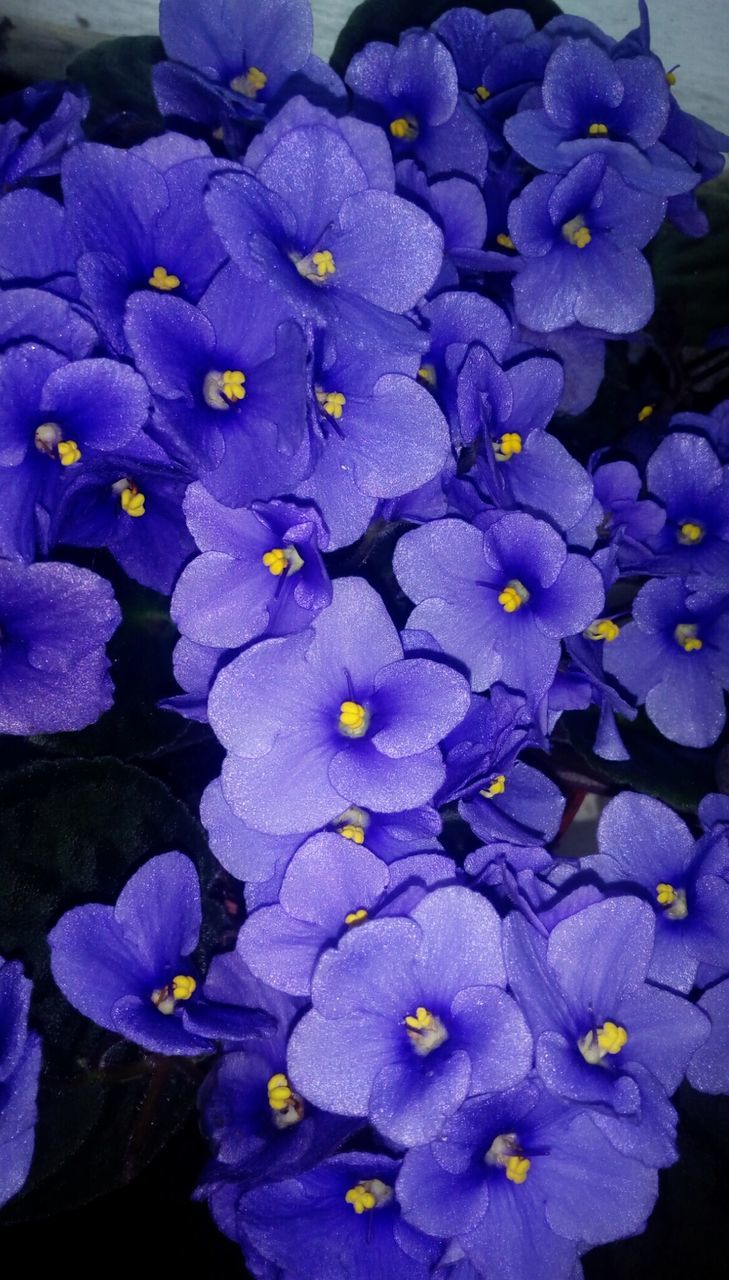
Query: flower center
{"type": "Point", "coordinates": [166, 998]}
{"type": "Point", "coordinates": [575, 232]}
{"type": "Point", "coordinates": [287, 1106]}
{"type": "Point", "coordinates": [495, 788]}
{"type": "Point", "coordinates": [250, 84]}
{"type": "Point", "coordinates": [427, 373]}
{"type": "Point", "coordinates": [354, 719]}
{"type": "Point", "coordinates": [687, 636]}
{"type": "Point", "coordinates": [598, 130]}
{"type": "Point", "coordinates": [162, 280]}
{"type": "Point", "coordinates": [425, 1031]}
{"type": "Point", "coordinates": [646, 412]}
{"type": "Point", "coordinates": [405, 127]}
{"type": "Point", "coordinates": [506, 1153]}
{"type": "Point", "coordinates": [505, 241]}
{"type": "Point", "coordinates": [368, 1194]}
{"type": "Point", "coordinates": [332, 402]}
{"type": "Point", "coordinates": [610, 1038]}
{"type": "Point", "coordinates": [48, 439]}
{"type": "Point", "coordinates": [355, 917]}
{"type": "Point", "coordinates": [507, 445]}
{"type": "Point", "coordinates": [316, 267]}
{"type": "Point", "coordinates": [603, 629]}
{"type": "Point", "coordinates": [513, 596]}
{"type": "Point", "coordinates": [690, 532]}
{"type": "Point", "coordinates": [482, 93]}
{"type": "Point", "coordinates": [672, 900]}
{"type": "Point", "coordinates": [131, 498]}
{"type": "Point", "coordinates": [223, 389]}
{"type": "Point", "coordinates": [281, 560]}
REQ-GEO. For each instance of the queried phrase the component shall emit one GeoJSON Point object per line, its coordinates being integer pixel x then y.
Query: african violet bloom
{"type": "Point", "coordinates": [686, 477]}
{"type": "Point", "coordinates": [645, 845]}
{"type": "Point", "coordinates": [37, 125]}
{"type": "Point", "coordinates": [331, 885]}
{"type": "Point", "coordinates": [55, 620]}
{"type": "Point", "coordinates": [674, 657]}
{"type": "Point", "coordinates": [455, 320]}
{"type": "Point", "coordinates": [501, 600]}
{"type": "Point", "coordinates": [315, 215]}
{"type": "Point", "coordinates": [580, 237]}
{"type": "Point", "coordinates": [260, 571]}
{"type": "Point", "coordinates": [130, 968]}
{"type": "Point", "coordinates": [20, 1062]}
{"type": "Point", "coordinates": [332, 717]}
{"type": "Point", "coordinates": [456, 205]}
{"type": "Point", "coordinates": [524, 1183]}
{"type": "Point", "coordinates": [410, 1016]}
{"type": "Point", "coordinates": [627, 518]}
{"type": "Point", "coordinates": [338, 1221]}
{"type": "Point", "coordinates": [617, 109]}
{"type": "Point", "coordinates": [54, 415]}
{"type": "Point", "coordinates": [227, 378]}
{"type": "Point", "coordinates": [412, 92]}
{"type": "Point", "coordinates": [603, 1035]}
{"type": "Point", "coordinates": [138, 221]}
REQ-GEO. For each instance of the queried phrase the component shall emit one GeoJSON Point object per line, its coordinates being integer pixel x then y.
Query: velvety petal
{"type": "Point", "coordinates": [354, 1051]}
{"type": "Point", "coordinates": [418, 703]}
{"type": "Point", "coordinates": [496, 1037]}
{"type": "Point", "coordinates": [602, 953]}
{"type": "Point", "coordinates": [384, 782]}
{"type": "Point", "coordinates": [689, 710]}
{"type": "Point", "coordinates": [386, 250]}
{"type": "Point", "coordinates": [159, 911]}
{"type": "Point", "coordinates": [647, 840]}
{"type": "Point", "coordinates": [436, 1201]}
{"type": "Point", "coordinates": [709, 1068]}
{"type": "Point", "coordinates": [410, 1106]}
{"type": "Point", "coordinates": [93, 963]}
{"type": "Point", "coordinates": [105, 402]}
{"type": "Point", "coordinates": [664, 1032]}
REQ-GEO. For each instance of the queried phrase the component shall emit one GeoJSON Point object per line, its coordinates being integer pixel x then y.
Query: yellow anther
{"type": "Point", "coordinates": [666, 894]}
{"type": "Point", "coordinates": [513, 596]}
{"type": "Point", "coordinates": [507, 445]}
{"type": "Point", "coordinates": [575, 232]}
{"type": "Point", "coordinates": [368, 1194]}
{"type": "Point", "coordinates": [611, 1037]}
{"type": "Point", "coordinates": [421, 1020]}
{"type": "Point", "coordinates": [351, 831]}
{"type": "Point", "coordinates": [603, 629]}
{"type": "Point", "coordinates": [183, 986]}
{"type": "Point", "coordinates": [671, 78]}
{"type": "Point", "coordinates": [690, 532]}
{"type": "Point", "coordinates": [405, 127]}
{"type": "Point", "coordinates": [132, 501]}
{"type": "Point", "coordinates": [646, 412]}
{"type": "Point", "coordinates": [505, 241]}
{"type": "Point", "coordinates": [427, 373]}
{"type": "Point", "coordinates": [68, 452]}
{"type": "Point", "coordinates": [687, 635]}
{"type": "Point", "coordinates": [425, 1030]}
{"type": "Point", "coordinates": [495, 788]}
{"type": "Point", "coordinates": [161, 279]}
{"type": "Point", "coordinates": [517, 1168]}
{"type": "Point", "coordinates": [332, 402]}
{"type": "Point", "coordinates": [353, 719]}
{"type": "Point", "coordinates": [597, 130]}
{"type": "Point", "coordinates": [280, 1092]}
{"type": "Point", "coordinates": [324, 263]}
{"type": "Point", "coordinates": [250, 84]}
{"type": "Point", "coordinates": [356, 917]}
{"type": "Point", "coordinates": [275, 561]}
{"type": "Point", "coordinates": [233, 387]}
{"type": "Point", "coordinates": [482, 93]}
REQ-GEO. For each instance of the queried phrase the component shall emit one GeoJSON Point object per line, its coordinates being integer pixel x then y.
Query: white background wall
{"type": "Point", "coordinates": [694, 35]}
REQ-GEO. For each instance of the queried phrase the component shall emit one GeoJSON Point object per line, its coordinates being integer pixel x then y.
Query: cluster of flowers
{"type": "Point", "coordinates": [306, 310]}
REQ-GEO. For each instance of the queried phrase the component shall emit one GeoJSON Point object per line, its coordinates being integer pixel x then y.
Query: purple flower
{"type": "Point", "coordinates": [410, 1016]}
{"type": "Point", "coordinates": [20, 1062]}
{"type": "Point", "coordinates": [260, 571]}
{"type": "Point", "coordinates": [524, 1184]}
{"type": "Point", "coordinates": [130, 968]}
{"type": "Point", "coordinates": [458, 207]}
{"type": "Point", "coordinates": [604, 1036]}
{"type": "Point", "coordinates": [227, 377]}
{"type": "Point", "coordinates": [499, 601]}
{"type": "Point", "coordinates": [36, 126]}
{"type": "Point", "coordinates": [645, 845]}
{"type": "Point", "coordinates": [454, 321]}
{"type": "Point", "coordinates": [412, 92]}
{"type": "Point", "coordinates": [686, 477]}
{"type": "Point", "coordinates": [55, 620]}
{"type": "Point", "coordinates": [138, 220]}
{"type": "Point", "coordinates": [627, 518]}
{"type": "Point", "coordinates": [580, 236]}
{"type": "Point", "coordinates": [674, 657]}
{"type": "Point", "coordinates": [708, 1070]}
{"type": "Point", "coordinates": [338, 1221]}
{"type": "Point", "coordinates": [617, 109]}
{"type": "Point", "coordinates": [54, 415]}
{"type": "Point", "coordinates": [326, 244]}
{"type": "Point", "coordinates": [332, 717]}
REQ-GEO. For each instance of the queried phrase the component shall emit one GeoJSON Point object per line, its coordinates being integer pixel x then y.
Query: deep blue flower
{"type": "Point", "coordinates": [37, 125]}
{"type": "Point", "coordinates": [686, 477]}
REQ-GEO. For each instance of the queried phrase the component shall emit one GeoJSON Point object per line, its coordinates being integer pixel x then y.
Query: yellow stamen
{"type": "Point", "coordinates": [517, 1168]}
{"type": "Point", "coordinates": [513, 596]}
{"type": "Point", "coordinates": [687, 635]}
{"type": "Point", "coordinates": [507, 445]}
{"type": "Point", "coordinates": [280, 1092]}
{"type": "Point", "coordinates": [68, 452]}
{"type": "Point", "coordinates": [282, 560]}
{"type": "Point", "coordinates": [405, 127]}
{"type": "Point", "coordinates": [646, 412]}
{"type": "Point", "coordinates": [597, 130]}
{"type": "Point", "coordinates": [250, 84]}
{"type": "Point", "coordinates": [505, 241]}
{"type": "Point", "coordinates": [132, 501]}
{"type": "Point", "coordinates": [356, 917]}
{"type": "Point", "coordinates": [672, 900]}
{"type": "Point", "coordinates": [233, 384]}
{"type": "Point", "coordinates": [425, 1031]}
{"type": "Point", "coordinates": [351, 831]}
{"type": "Point", "coordinates": [496, 788]}
{"type": "Point", "coordinates": [427, 373]}
{"type": "Point", "coordinates": [603, 629]}
{"type": "Point", "coordinates": [690, 532]}
{"type": "Point", "coordinates": [368, 1194]}
{"type": "Point", "coordinates": [482, 93]}
{"type": "Point", "coordinates": [666, 894]}
{"type": "Point", "coordinates": [332, 402]}
{"type": "Point", "coordinates": [671, 78]}
{"type": "Point", "coordinates": [181, 988]}
{"type": "Point", "coordinates": [324, 263]}
{"type": "Point", "coordinates": [575, 232]}
{"type": "Point", "coordinates": [610, 1038]}
{"type": "Point", "coordinates": [315, 267]}
{"type": "Point", "coordinates": [353, 719]}
{"type": "Point", "coordinates": [223, 389]}
{"type": "Point", "coordinates": [161, 279]}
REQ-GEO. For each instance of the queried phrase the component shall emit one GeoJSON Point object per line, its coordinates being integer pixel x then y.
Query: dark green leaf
{"type": "Point", "coordinates": [691, 275]}
{"type": "Point", "coordinates": [117, 74]}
